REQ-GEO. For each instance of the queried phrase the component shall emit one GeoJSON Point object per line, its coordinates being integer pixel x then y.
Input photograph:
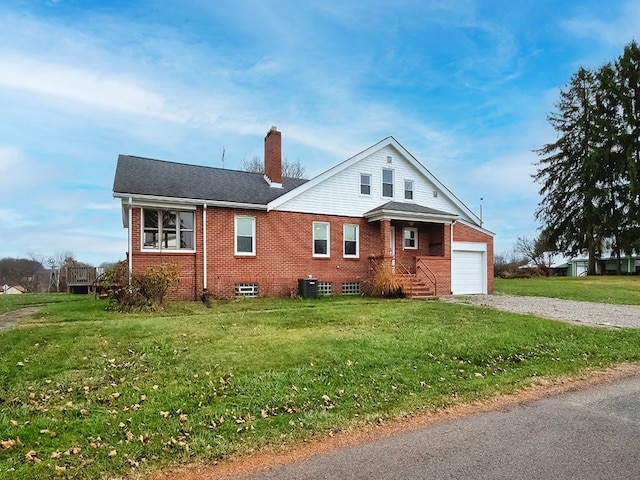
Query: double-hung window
{"type": "Point", "coordinates": [167, 230]}
{"type": "Point", "coordinates": [321, 239]}
{"type": "Point", "coordinates": [245, 237]}
{"type": "Point", "coordinates": [410, 238]}
{"type": "Point", "coordinates": [387, 182]}
{"type": "Point", "coordinates": [365, 184]}
{"type": "Point", "coordinates": [351, 241]}
{"type": "Point", "coordinates": [408, 189]}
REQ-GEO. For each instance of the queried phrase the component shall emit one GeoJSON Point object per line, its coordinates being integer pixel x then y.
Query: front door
{"type": "Point", "coordinates": [392, 247]}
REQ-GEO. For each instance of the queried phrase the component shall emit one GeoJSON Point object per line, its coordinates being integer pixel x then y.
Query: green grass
{"type": "Point", "coordinates": [97, 394]}
{"type": "Point", "coordinates": [621, 290]}
{"type": "Point", "coordinates": [14, 302]}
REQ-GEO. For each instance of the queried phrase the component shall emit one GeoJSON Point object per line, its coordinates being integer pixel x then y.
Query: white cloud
{"type": "Point", "coordinates": [107, 91]}
{"type": "Point", "coordinates": [111, 206]}
{"type": "Point", "coordinates": [615, 30]}
{"type": "Point", "coordinates": [12, 219]}
{"type": "Point", "coordinates": [9, 157]}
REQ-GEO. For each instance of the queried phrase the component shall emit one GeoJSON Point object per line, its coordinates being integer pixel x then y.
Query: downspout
{"type": "Point", "coordinates": [204, 246]}
{"type": "Point", "coordinates": [130, 246]}
{"type": "Point", "coordinates": [451, 259]}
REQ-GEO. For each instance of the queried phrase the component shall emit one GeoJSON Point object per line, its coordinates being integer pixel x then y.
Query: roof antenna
{"type": "Point", "coordinates": [223, 157]}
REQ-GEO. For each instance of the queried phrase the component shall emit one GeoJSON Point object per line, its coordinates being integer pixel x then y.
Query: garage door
{"type": "Point", "coordinates": [468, 272]}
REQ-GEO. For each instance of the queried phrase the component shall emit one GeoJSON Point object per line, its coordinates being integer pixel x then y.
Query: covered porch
{"type": "Point", "coordinates": [416, 242]}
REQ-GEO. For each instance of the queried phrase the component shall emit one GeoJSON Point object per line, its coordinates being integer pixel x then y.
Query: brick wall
{"type": "Point", "coordinates": [284, 242]}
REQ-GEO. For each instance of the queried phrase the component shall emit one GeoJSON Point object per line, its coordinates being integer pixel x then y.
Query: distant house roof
{"type": "Point", "coordinates": [16, 290]}
{"type": "Point", "coordinates": [139, 176]}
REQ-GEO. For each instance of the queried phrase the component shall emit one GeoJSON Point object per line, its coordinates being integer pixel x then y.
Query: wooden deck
{"type": "Point", "coordinates": [81, 279]}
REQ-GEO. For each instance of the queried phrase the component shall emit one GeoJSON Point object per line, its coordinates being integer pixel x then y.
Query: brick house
{"type": "Point", "coordinates": [239, 233]}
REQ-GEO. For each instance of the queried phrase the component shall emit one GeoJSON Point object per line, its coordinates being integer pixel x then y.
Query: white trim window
{"type": "Point", "coordinates": [321, 244]}
{"type": "Point", "coordinates": [365, 184]}
{"type": "Point", "coordinates": [245, 235]}
{"type": "Point", "coordinates": [167, 230]}
{"type": "Point", "coordinates": [410, 236]}
{"type": "Point", "coordinates": [351, 240]}
{"type": "Point", "coordinates": [387, 182]}
{"type": "Point", "coordinates": [409, 190]}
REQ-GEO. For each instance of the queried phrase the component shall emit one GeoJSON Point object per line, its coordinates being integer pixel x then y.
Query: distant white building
{"type": "Point", "coordinates": [605, 264]}
{"type": "Point", "coordinates": [7, 290]}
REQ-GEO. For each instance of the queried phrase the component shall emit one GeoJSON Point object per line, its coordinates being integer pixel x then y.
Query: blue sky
{"type": "Point", "coordinates": [465, 86]}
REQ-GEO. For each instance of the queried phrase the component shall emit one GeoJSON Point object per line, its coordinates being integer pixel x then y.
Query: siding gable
{"type": "Point", "coordinates": [337, 191]}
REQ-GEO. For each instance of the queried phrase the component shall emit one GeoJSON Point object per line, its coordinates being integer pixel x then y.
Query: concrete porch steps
{"type": "Point", "coordinates": [418, 288]}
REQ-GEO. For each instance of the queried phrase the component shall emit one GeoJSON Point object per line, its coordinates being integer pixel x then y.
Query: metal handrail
{"type": "Point", "coordinates": [423, 267]}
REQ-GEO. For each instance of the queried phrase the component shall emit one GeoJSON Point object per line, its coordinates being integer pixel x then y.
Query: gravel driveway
{"type": "Point", "coordinates": [9, 319]}
{"type": "Point", "coordinates": [600, 314]}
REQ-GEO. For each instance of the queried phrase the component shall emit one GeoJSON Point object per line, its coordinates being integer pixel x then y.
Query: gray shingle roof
{"type": "Point", "coordinates": [406, 208]}
{"type": "Point", "coordinates": [146, 176]}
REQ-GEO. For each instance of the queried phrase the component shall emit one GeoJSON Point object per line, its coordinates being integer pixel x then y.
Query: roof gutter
{"type": "Point", "coordinates": [411, 217]}
{"type": "Point", "coordinates": [191, 203]}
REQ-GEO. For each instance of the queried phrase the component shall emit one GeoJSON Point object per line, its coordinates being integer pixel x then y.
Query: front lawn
{"type": "Point", "coordinates": [86, 393]}
{"type": "Point", "coordinates": [615, 289]}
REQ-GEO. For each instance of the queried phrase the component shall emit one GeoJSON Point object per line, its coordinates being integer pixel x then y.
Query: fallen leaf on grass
{"type": "Point", "coordinates": [7, 444]}
{"type": "Point", "coordinates": [32, 456]}
{"type": "Point", "coordinates": [113, 453]}
{"type": "Point", "coordinates": [61, 468]}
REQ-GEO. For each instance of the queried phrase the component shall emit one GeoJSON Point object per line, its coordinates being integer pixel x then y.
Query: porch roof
{"type": "Point", "coordinates": [409, 212]}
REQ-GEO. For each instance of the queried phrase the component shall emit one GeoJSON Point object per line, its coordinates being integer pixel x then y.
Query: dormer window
{"type": "Point", "coordinates": [387, 182]}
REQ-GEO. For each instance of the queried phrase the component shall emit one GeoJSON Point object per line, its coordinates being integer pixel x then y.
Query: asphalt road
{"type": "Point", "coordinates": [589, 434]}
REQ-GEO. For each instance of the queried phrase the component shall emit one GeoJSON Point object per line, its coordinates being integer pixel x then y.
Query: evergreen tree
{"type": "Point", "coordinates": [590, 175]}
{"type": "Point", "coordinates": [568, 172]}
{"type": "Point", "coordinates": [611, 179]}
{"type": "Point", "coordinates": [627, 91]}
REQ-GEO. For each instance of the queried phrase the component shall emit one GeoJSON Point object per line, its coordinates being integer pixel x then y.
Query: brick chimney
{"type": "Point", "coordinates": [273, 157]}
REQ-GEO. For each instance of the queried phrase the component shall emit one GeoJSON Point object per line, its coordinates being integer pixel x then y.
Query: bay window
{"type": "Point", "coordinates": [167, 229]}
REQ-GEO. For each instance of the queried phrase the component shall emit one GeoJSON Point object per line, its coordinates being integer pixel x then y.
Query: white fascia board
{"type": "Point", "coordinates": [274, 204]}
{"type": "Point", "coordinates": [477, 227]}
{"type": "Point", "coordinates": [388, 141]}
{"type": "Point", "coordinates": [448, 193]}
{"type": "Point", "coordinates": [183, 203]}
{"type": "Point", "coordinates": [125, 214]}
{"type": "Point", "coordinates": [413, 217]}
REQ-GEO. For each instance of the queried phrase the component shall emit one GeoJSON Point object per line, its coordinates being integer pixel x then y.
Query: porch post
{"type": "Point", "coordinates": [385, 231]}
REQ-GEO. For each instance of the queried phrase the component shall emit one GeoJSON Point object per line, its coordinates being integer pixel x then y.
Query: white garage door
{"type": "Point", "coordinates": [468, 272]}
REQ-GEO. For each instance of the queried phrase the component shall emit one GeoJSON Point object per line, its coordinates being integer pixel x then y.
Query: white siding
{"type": "Point", "coordinates": [340, 193]}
